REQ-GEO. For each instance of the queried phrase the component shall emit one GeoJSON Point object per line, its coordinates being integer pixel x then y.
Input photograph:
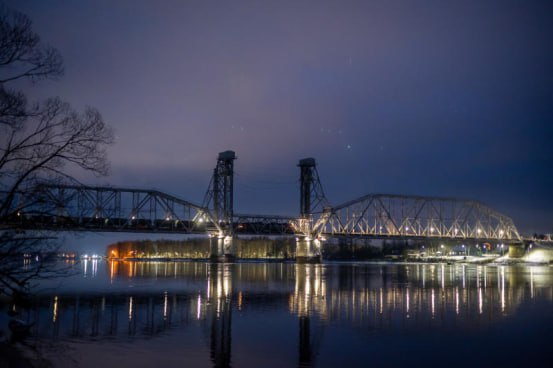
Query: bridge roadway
{"type": "Point", "coordinates": [61, 207]}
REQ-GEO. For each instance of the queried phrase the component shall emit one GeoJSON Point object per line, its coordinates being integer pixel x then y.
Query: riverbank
{"type": "Point", "coordinates": [479, 260]}
{"type": "Point", "coordinates": [283, 249]}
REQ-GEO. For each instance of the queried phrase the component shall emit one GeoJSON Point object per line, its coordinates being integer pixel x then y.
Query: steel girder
{"type": "Point", "coordinates": [384, 215]}
{"type": "Point", "coordinates": [263, 224]}
{"type": "Point", "coordinates": [219, 198]}
{"type": "Point", "coordinates": [75, 207]}
{"type": "Point", "coordinates": [312, 197]}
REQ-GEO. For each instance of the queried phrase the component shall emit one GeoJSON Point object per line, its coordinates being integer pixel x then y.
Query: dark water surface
{"type": "Point", "coordinates": [191, 314]}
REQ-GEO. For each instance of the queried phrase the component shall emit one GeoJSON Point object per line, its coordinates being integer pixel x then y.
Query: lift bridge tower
{"type": "Point", "coordinates": [313, 212]}
{"type": "Point", "coordinates": [219, 200]}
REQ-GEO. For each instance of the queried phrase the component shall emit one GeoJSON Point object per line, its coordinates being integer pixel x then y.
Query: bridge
{"type": "Point", "coordinates": [63, 207]}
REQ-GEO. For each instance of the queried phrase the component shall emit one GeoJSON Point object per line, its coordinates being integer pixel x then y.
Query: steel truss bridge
{"type": "Point", "coordinates": [414, 216]}
{"type": "Point", "coordinates": [108, 209]}
{"type": "Point", "coordinates": [60, 207]}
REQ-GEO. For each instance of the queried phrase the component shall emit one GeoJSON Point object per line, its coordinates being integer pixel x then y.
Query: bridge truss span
{"type": "Point", "coordinates": [59, 207]}
{"type": "Point", "coordinates": [77, 207]}
{"type": "Point", "coordinates": [383, 215]}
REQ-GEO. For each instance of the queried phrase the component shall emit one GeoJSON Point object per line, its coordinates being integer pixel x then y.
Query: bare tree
{"type": "Point", "coordinates": [38, 142]}
{"type": "Point", "coordinates": [22, 52]}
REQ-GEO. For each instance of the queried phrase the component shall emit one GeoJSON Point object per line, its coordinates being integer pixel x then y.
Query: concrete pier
{"type": "Point", "coordinates": [516, 250]}
{"type": "Point", "coordinates": [221, 249]}
{"type": "Point", "coordinates": [308, 250]}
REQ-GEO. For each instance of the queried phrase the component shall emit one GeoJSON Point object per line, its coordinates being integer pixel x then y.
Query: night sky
{"type": "Point", "coordinates": [444, 98]}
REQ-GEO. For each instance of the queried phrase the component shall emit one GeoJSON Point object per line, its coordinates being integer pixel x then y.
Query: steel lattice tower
{"type": "Point", "coordinates": [221, 190]}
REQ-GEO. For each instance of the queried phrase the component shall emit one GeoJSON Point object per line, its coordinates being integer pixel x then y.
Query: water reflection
{"type": "Point", "coordinates": [220, 315]}
{"type": "Point", "coordinates": [90, 267]}
{"type": "Point", "coordinates": [151, 299]}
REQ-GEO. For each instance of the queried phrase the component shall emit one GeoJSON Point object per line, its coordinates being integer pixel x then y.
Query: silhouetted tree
{"type": "Point", "coordinates": [39, 142]}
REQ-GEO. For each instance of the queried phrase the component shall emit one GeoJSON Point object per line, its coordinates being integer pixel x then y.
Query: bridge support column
{"type": "Point", "coordinates": [221, 249]}
{"type": "Point", "coordinates": [308, 250]}
{"type": "Point", "coordinates": [516, 250]}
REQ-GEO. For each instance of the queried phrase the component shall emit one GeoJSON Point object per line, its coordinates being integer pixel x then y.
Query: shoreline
{"type": "Point", "coordinates": [502, 260]}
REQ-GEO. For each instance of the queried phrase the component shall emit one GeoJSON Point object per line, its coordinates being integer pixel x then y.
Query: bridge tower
{"type": "Point", "coordinates": [312, 199]}
{"type": "Point", "coordinates": [219, 199]}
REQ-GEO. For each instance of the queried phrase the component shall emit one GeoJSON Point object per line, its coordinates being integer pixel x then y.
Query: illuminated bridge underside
{"type": "Point", "coordinates": [380, 215]}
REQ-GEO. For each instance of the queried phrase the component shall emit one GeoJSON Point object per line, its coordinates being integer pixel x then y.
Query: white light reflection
{"type": "Point", "coordinates": [464, 279]}
{"type": "Point", "coordinates": [199, 309]}
{"type": "Point", "coordinates": [433, 300]}
{"type": "Point", "coordinates": [480, 302]}
{"type": "Point", "coordinates": [219, 288]}
{"type": "Point", "coordinates": [503, 289]}
{"type": "Point", "coordinates": [443, 276]}
{"type": "Point", "coordinates": [226, 283]}
{"type": "Point", "coordinates": [130, 308]}
{"type": "Point", "coordinates": [317, 281]}
{"type": "Point", "coordinates": [531, 283]}
{"type": "Point", "coordinates": [457, 300]}
{"type": "Point", "coordinates": [55, 311]}
{"type": "Point", "coordinates": [208, 287]}
{"type": "Point", "coordinates": [165, 302]}
{"type": "Point", "coordinates": [94, 267]}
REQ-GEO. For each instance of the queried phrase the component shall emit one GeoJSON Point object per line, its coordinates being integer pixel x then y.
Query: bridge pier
{"type": "Point", "coordinates": [308, 250]}
{"type": "Point", "coordinates": [516, 250]}
{"type": "Point", "coordinates": [221, 248]}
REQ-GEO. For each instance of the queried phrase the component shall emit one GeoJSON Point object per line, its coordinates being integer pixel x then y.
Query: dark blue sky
{"type": "Point", "coordinates": [445, 98]}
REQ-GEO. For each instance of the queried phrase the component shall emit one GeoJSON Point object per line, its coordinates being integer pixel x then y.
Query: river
{"type": "Point", "coordinates": [196, 314]}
